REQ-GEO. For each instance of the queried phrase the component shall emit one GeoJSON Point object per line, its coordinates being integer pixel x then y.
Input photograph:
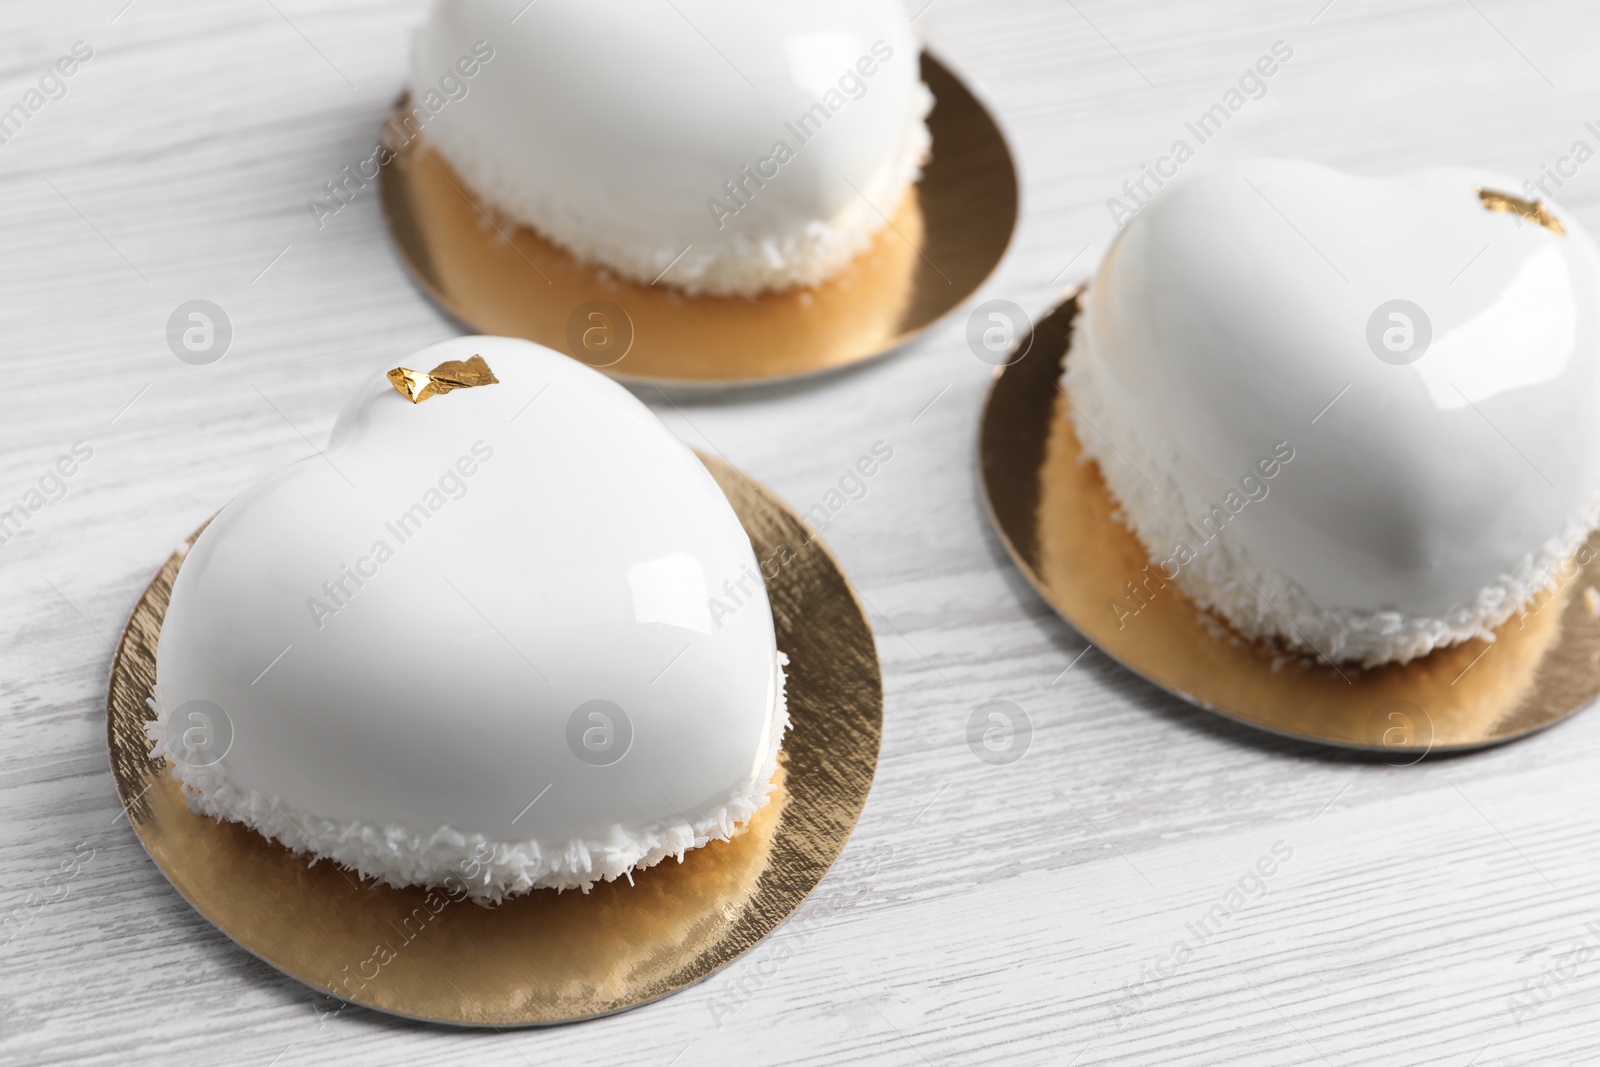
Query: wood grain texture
{"type": "Point", "coordinates": [981, 913]}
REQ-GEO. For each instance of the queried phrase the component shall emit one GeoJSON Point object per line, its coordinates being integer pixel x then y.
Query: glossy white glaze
{"type": "Point", "coordinates": [1433, 497]}
{"type": "Point", "coordinates": [612, 127]}
{"type": "Point", "coordinates": [518, 549]}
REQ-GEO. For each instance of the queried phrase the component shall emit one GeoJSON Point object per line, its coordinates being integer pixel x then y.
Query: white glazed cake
{"type": "Point", "coordinates": [719, 147]}
{"type": "Point", "coordinates": [1353, 416]}
{"type": "Point", "coordinates": [477, 636]}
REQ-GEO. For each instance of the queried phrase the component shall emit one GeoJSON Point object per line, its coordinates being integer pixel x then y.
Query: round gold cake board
{"type": "Point", "coordinates": [496, 277]}
{"type": "Point", "coordinates": [1058, 521]}
{"type": "Point", "coordinates": [543, 957]}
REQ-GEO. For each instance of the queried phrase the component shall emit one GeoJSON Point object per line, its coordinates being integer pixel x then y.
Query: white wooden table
{"type": "Point", "coordinates": [981, 913]}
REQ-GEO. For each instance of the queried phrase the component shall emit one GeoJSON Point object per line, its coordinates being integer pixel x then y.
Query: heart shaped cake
{"type": "Point", "coordinates": [716, 146]}
{"type": "Point", "coordinates": [1356, 417]}
{"type": "Point", "coordinates": [484, 639]}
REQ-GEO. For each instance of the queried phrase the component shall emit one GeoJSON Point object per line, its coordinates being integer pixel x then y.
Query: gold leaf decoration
{"type": "Point", "coordinates": [1528, 209]}
{"type": "Point", "coordinates": [417, 386]}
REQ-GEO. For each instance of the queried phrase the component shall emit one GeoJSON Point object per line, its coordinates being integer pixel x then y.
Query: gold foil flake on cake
{"type": "Point", "coordinates": [417, 386]}
{"type": "Point", "coordinates": [1528, 209]}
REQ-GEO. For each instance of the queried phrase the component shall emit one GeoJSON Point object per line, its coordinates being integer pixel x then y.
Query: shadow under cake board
{"type": "Point", "coordinates": [542, 957]}
{"type": "Point", "coordinates": [495, 277]}
{"type": "Point", "coordinates": [1058, 522]}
